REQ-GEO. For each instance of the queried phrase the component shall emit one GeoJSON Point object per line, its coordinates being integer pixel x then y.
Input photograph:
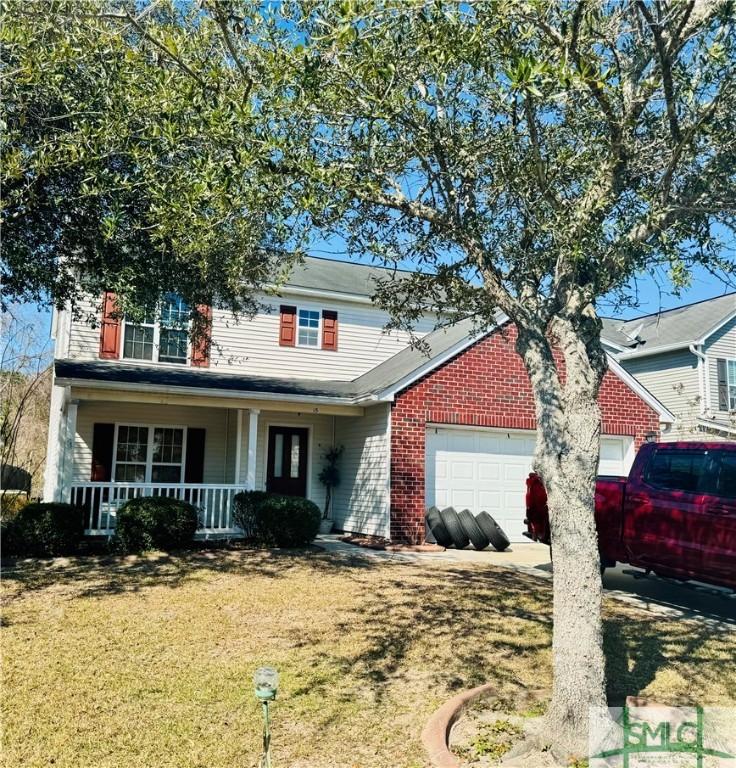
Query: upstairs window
{"type": "Point", "coordinates": [308, 328]}
{"type": "Point", "coordinates": [165, 340]}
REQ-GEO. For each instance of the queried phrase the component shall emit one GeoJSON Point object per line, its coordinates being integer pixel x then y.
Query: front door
{"type": "Point", "coordinates": [287, 461]}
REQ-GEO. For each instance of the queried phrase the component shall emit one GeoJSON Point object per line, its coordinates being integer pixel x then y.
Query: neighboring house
{"type": "Point", "coordinates": [136, 410]}
{"type": "Point", "coordinates": [686, 357]}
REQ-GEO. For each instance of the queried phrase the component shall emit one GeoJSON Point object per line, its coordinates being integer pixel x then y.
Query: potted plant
{"type": "Point", "coordinates": [329, 476]}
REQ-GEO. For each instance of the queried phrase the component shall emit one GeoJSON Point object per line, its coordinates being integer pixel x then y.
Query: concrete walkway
{"type": "Point", "coordinates": [665, 597]}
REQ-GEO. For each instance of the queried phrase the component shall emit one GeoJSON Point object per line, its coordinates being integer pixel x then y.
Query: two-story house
{"type": "Point", "coordinates": [136, 409]}
{"type": "Point", "coordinates": [686, 357]}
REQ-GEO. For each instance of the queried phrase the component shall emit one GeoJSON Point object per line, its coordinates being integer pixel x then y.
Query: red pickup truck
{"type": "Point", "coordinates": [675, 514]}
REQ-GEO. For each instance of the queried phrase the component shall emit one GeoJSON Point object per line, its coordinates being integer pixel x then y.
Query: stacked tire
{"type": "Point", "coordinates": [458, 529]}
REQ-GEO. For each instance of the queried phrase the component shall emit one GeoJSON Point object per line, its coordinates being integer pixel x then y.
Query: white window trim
{"type": "Point", "coordinates": [318, 345]}
{"type": "Point", "coordinates": [149, 451]}
{"type": "Point", "coordinates": [730, 363]}
{"type": "Point", "coordinates": [156, 325]}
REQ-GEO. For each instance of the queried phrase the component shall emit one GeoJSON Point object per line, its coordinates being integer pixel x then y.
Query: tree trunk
{"type": "Point", "coordinates": [567, 452]}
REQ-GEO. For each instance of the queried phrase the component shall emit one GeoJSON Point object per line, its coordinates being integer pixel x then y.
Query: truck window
{"type": "Point", "coordinates": [677, 470]}
{"type": "Point", "coordinates": [726, 485]}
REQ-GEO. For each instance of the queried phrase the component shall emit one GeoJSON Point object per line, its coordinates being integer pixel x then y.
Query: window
{"type": "Point", "coordinates": [678, 470]}
{"type": "Point", "coordinates": [726, 483]}
{"type": "Point", "coordinates": [731, 369]}
{"type": "Point", "coordinates": [149, 454]}
{"type": "Point", "coordinates": [165, 341]}
{"type": "Point", "coordinates": [308, 328]}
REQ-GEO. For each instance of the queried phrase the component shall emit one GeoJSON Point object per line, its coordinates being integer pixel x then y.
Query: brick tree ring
{"type": "Point", "coordinates": [436, 733]}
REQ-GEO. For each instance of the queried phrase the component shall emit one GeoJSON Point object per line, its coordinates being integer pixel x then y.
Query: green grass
{"type": "Point", "coordinates": [147, 661]}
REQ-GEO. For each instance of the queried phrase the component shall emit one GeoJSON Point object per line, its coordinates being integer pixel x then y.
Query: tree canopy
{"type": "Point", "coordinates": [529, 145]}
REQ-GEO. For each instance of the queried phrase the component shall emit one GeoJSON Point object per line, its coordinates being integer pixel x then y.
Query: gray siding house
{"type": "Point", "coordinates": [686, 357]}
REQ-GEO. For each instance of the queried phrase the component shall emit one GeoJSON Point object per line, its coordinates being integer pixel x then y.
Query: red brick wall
{"type": "Point", "coordinates": [486, 385]}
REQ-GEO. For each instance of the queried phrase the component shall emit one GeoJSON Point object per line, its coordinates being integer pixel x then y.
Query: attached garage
{"type": "Point", "coordinates": [486, 469]}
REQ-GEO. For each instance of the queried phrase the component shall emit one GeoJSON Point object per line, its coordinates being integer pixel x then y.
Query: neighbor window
{"type": "Point", "coordinates": [165, 340]}
{"type": "Point", "coordinates": [731, 368]}
{"type": "Point", "coordinates": [149, 454]}
{"type": "Point", "coordinates": [308, 328]}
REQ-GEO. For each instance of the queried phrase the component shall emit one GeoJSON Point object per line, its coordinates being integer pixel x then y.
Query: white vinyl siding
{"type": "Point", "coordinates": [361, 501]}
{"type": "Point", "coordinates": [672, 377]}
{"type": "Point", "coordinates": [218, 454]}
{"type": "Point", "coordinates": [721, 344]}
{"type": "Point", "coordinates": [251, 345]}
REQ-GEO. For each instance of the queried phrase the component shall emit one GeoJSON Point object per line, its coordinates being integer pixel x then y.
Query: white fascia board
{"type": "Point", "coordinates": [612, 344]}
{"type": "Point", "coordinates": [665, 416]}
{"type": "Point", "coordinates": [656, 350]}
{"type": "Point", "coordinates": [717, 425]}
{"type": "Point", "coordinates": [314, 293]}
{"type": "Point", "coordinates": [389, 392]}
{"type": "Point", "coordinates": [126, 386]}
{"type": "Point", "coordinates": [717, 326]}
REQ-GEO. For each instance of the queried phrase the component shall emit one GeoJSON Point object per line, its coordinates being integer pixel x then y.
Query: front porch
{"type": "Point", "coordinates": [101, 502]}
{"type": "Point", "coordinates": [110, 445]}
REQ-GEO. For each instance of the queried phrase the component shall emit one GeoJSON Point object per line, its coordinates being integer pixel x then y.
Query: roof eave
{"type": "Point", "coordinates": [173, 389]}
{"type": "Point", "coordinates": [665, 416]}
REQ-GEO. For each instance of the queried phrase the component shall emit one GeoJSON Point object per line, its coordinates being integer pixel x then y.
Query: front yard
{"type": "Point", "coordinates": [148, 661]}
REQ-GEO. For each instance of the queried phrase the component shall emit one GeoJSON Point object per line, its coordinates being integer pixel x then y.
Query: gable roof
{"type": "Point", "coordinates": [332, 276]}
{"type": "Point", "coordinates": [672, 328]}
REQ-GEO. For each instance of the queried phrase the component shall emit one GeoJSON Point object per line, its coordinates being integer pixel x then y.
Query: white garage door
{"type": "Point", "coordinates": [482, 469]}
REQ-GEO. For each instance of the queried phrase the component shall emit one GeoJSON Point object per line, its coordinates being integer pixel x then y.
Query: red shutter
{"type": "Point", "coordinates": [287, 327]}
{"type": "Point", "coordinates": [202, 344]}
{"type": "Point", "coordinates": [329, 330]}
{"type": "Point", "coordinates": [110, 327]}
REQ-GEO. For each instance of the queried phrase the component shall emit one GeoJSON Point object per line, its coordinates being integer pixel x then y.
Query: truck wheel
{"type": "Point", "coordinates": [493, 530]}
{"type": "Point", "coordinates": [452, 523]}
{"type": "Point", "coordinates": [477, 538]}
{"type": "Point", "coordinates": [440, 533]}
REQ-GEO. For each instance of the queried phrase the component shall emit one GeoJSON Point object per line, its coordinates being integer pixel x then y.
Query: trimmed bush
{"type": "Point", "coordinates": [43, 530]}
{"type": "Point", "coordinates": [155, 522]}
{"type": "Point", "coordinates": [244, 510]}
{"type": "Point", "coordinates": [286, 521]}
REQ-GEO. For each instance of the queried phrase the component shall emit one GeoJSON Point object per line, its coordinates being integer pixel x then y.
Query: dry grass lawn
{"type": "Point", "coordinates": [137, 662]}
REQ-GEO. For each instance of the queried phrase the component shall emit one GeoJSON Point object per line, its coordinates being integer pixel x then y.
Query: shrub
{"type": "Point", "coordinates": [244, 507]}
{"type": "Point", "coordinates": [286, 521]}
{"type": "Point", "coordinates": [43, 530]}
{"type": "Point", "coordinates": [155, 522]}
{"type": "Point", "coordinates": [11, 502]}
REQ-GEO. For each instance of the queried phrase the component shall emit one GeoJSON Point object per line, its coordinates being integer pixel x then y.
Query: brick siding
{"type": "Point", "coordinates": [484, 386]}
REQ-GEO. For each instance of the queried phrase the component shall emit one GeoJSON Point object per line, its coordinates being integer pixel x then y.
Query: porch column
{"type": "Point", "coordinates": [55, 445]}
{"type": "Point", "coordinates": [70, 432]}
{"type": "Point", "coordinates": [252, 441]}
{"type": "Point", "coordinates": [238, 445]}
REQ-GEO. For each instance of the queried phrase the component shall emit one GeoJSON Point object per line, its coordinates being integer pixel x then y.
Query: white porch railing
{"type": "Point", "coordinates": [101, 502]}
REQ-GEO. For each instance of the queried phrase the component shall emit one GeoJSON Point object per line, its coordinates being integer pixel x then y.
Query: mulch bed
{"type": "Point", "coordinates": [375, 542]}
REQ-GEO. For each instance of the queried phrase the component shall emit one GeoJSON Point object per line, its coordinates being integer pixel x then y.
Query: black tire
{"type": "Point", "coordinates": [477, 538]}
{"type": "Point", "coordinates": [493, 530]}
{"type": "Point", "coordinates": [452, 524]}
{"type": "Point", "coordinates": [440, 533]}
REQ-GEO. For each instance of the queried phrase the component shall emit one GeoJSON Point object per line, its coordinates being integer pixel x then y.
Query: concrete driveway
{"type": "Point", "coordinates": [664, 596]}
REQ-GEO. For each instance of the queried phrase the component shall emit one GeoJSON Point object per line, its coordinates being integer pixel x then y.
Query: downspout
{"type": "Point", "coordinates": [702, 379]}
